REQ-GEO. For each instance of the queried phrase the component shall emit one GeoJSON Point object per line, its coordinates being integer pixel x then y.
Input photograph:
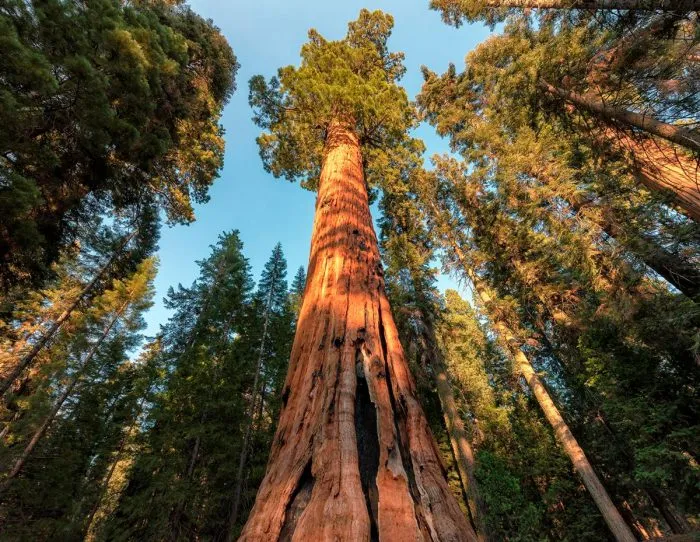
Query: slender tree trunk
{"type": "Point", "coordinates": [113, 466]}
{"type": "Point", "coordinates": [461, 447]}
{"type": "Point", "coordinates": [39, 433]}
{"type": "Point", "coordinates": [582, 465]}
{"type": "Point", "coordinates": [634, 5]}
{"type": "Point", "coordinates": [676, 134]}
{"type": "Point", "coordinates": [353, 457]}
{"type": "Point", "coordinates": [28, 359]}
{"type": "Point", "coordinates": [679, 273]}
{"type": "Point", "coordinates": [243, 458]}
{"type": "Point", "coordinates": [675, 520]}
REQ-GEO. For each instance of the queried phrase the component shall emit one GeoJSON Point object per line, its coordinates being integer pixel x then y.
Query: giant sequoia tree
{"type": "Point", "coordinates": [353, 457]}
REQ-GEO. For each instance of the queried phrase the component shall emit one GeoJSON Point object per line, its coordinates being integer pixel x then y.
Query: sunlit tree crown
{"type": "Point", "coordinates": [352, 81]}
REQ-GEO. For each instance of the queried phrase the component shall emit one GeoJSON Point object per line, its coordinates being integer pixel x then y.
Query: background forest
{"type": "Point", "coordinates": [536, 206]}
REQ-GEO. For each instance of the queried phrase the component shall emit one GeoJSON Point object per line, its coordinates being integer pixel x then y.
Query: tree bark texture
{"type": "Point", "coordinates": [610, 113]}
{"type": "Point", "coordinates": [661, 168]}
{"type": "Point", "coordinates": [353, 457]}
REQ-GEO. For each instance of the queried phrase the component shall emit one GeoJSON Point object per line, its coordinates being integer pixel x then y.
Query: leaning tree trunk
{"type": "Point", "coordinates": [48, 420]}
{"type": "Point", "coordinates": [461, 447]}
{"type": "Point", "coordinates": [353, 457]}
{"type": "Point", "coordinates": [28, 358]}
{"type": "Point", "coordinates": [678, 272]}
{"type": "Point", "coordinates": [566, 439]}
{"type": "Point", "coordinates": [609, 113]}
{"type": "Point", "coordinates": [568, 442]}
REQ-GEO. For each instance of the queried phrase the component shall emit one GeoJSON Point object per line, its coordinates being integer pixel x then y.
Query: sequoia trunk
{"type": "Point", "coordinates": [609, 113]}
{"type": "Point", "coordinates": [353, 457]}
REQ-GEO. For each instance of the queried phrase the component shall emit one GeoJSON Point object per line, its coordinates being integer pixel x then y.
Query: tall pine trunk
{"type": "Point", "coordinates": [353, 457]}
{"type": "Point", "coordinates": [566, 439]}
{"type": "Point", "coordinates": [461, 447]}
{"type": "Point", "coordinates": [28, 358]}
{"type": "Point", "coordinates": [681, 274]}
{"type": "Point", "coordinates": [617, 525]}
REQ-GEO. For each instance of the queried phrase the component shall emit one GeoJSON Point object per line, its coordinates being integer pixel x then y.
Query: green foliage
{"type": "Point", "coordinates": [74, 456]}
{"type": "Point", "coordinates": [352, 80]}
{"type": "Point", "coordinates": [184, 472]}
{"type": "Point", "coordinates": [105, 106]}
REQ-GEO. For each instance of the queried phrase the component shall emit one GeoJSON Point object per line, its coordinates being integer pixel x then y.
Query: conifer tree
{"type": "Point", "coordinates": [457, 11]}
{"type": "Point", "coordinates": [103, 106]}
{"type": "Point", "coordinates": [271, 299]}
{"type": "Point", "coordinates": [73, 417]}
{"type": "Point", "coordinates": [296, 292]}
{"type": "Point", "coordinates": [547, 268]}
{"type": "Point", "coordinates": [353, 457]}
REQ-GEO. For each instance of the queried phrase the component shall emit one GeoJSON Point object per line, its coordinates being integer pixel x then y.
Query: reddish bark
{"type": "Point", "coordinates": [612, 114]}
{"type": "Point", "coordinates": [662, 168]}
{"type": "Point", "coordinates": [353, 457]}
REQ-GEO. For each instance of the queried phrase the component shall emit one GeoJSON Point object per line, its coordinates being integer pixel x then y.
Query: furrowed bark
{"type": "Point", "coordinates": [41, 431]}
{"type": "Point", "coordinates": [353, 457]}
{"type": "Point", "coordinates": [663, 169]}
{"type": "Point", "coordinates": [28, 359]}
{"type": "Point", "coordinates": [675, 134]}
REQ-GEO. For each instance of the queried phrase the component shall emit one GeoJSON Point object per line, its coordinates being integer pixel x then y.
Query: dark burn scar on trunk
{"type": "Point", "coordinates": [297, 504]}
{"type": "Point", "coordinates": [367, 447]}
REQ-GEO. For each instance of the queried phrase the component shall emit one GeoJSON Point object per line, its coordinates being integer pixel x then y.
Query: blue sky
{"type": "Point", "coordinates": [266, 35]}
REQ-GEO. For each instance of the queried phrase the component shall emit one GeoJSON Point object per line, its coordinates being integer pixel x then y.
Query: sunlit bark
{"type": "Point", "coordinates": [610, 113]}
{"type": "Point", "coordinates": [661, 168]}
{"type": "Point", "coordinates": [353, 457]}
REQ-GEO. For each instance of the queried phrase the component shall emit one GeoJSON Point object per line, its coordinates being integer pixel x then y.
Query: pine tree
{"type": "Point", "coordinates": [457, 11]}
{"type": "Point", "coordinates": [296, 293]}
{"type": "Point", "coordinates": [353, 454]}
{"type": "Point", "coordinates": [272, 300]}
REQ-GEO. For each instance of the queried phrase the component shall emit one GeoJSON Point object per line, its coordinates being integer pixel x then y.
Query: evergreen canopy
{"type": "Point", "coordinates": [352, 80]}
